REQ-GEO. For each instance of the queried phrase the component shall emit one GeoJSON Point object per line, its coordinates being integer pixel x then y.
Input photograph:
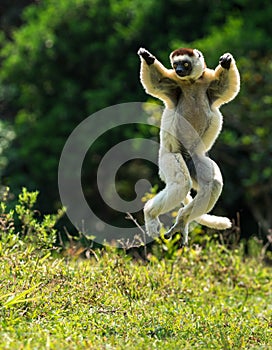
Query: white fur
{"type": "Point", "coordinates": [191, 118]}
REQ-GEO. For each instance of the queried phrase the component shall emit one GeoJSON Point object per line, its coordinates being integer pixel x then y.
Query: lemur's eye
{"type": "Point", "coordinates": [186, 64]}
{"type": "Point", "coordinates": [175, 65]}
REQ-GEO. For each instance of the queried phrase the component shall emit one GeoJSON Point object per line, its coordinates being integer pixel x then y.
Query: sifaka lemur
{"type": "Point", "coordinates": [190, 124]}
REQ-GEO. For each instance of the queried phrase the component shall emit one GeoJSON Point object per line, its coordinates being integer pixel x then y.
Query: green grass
{"type": "Point", "coordinates": [208, 298]}
{"type": "Point", "coordinates": [191, 298]}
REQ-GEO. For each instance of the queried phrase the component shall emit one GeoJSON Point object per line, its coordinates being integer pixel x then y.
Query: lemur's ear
{"type": "Point", "coordinates": [198, 53]}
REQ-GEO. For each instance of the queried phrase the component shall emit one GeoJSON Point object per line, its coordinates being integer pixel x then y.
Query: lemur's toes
{"type": "Point", "coordinates": [174, 229]}
{"type": "Point", "coordinates": [153, 227]}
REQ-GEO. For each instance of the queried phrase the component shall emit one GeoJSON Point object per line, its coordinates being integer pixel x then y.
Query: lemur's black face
{"type": "Point", "coordinates": [183, 67]}
{"type": "Point", "coordinates": [188, 64]}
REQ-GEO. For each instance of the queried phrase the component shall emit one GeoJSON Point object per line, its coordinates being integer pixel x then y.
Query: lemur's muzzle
{"type": "Point", "coordinates": [183, 68]}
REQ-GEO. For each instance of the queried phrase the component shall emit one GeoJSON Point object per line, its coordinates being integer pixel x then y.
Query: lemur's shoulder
{"type": "Point", "coordinates": [209, 75]}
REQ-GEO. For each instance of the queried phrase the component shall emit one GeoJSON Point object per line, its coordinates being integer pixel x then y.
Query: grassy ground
{"type": "Point", "coordinates": [194, 298]}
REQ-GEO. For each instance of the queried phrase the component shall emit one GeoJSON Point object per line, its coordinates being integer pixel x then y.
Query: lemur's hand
{"type": "Point", "coordinates": [225, 60]}
{"type": "Point", "coordinates": [147, 56]}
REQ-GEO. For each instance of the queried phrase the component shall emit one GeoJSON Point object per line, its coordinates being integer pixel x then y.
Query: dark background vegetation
{"type": "Point", "coordinates": [61, 61]}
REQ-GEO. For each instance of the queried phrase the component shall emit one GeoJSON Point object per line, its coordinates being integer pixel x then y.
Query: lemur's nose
{"type": "Point", "coordinates": [179, 70]}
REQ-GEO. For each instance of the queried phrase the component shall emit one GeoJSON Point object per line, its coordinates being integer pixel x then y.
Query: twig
{"type": "Point", "coordinates": [130, 217]}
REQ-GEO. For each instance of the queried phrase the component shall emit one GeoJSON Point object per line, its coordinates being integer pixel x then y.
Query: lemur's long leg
{"type": "Point", "coordinates": [210, 183]}
{"type": "Point", "coordinates": [174, 172]}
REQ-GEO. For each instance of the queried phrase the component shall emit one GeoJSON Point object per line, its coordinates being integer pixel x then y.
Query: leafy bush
{"type": "Point", "coordinates": [23, 225]}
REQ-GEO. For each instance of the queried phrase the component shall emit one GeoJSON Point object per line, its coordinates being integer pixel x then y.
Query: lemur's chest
{"type": "Point", "coordinates": [193, 105]}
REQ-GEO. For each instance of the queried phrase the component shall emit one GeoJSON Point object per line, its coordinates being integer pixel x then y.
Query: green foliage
{"type": "Point", "coordinates": [54, 74]}
{"type": "Point", "coordinates": [71, 58]}
{"type": "Point", "coordinates": [24, 227]}
{"type": "Point", "coordinates": [7, 135]}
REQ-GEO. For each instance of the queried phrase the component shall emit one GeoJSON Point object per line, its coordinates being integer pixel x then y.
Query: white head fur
{"type": "Point", "coordinates": [188, 64]}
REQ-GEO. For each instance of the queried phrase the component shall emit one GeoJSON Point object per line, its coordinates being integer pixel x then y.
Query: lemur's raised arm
{"type": "Point", "coordinates": [226, 84]}
{"type": "Point", "coordinates": [158, 80]}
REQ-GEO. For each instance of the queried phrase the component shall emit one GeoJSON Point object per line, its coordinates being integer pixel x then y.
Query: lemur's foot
{"type": "Point", "coordinates": [153, 227]}
{"type": "Point", "coordinates": [174, 229]}
{"type": "Point", "coordinates": [181, 228]}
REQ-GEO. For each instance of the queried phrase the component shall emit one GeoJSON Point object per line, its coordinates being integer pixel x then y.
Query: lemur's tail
{"type": "Point", "coordinates": [212, 221]}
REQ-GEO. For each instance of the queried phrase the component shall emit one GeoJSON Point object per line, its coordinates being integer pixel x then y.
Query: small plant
{"type": "Point", "coordinates": [30, 227]}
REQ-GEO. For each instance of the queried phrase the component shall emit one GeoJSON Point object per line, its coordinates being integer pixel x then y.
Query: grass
{"type": "Point", "coordinates": [207, 297]}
